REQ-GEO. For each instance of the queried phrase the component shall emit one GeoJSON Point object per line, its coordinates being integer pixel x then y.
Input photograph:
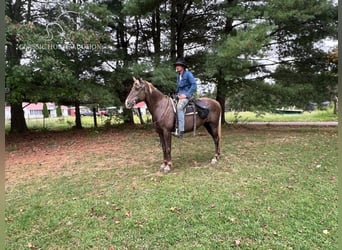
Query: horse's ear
{"type": "Point", "coordinates": [142, 80]}
{"type": "Point", "coordinates": [134, 78]}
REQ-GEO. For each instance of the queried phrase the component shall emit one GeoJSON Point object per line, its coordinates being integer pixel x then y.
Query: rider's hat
{"type": "Point", "coordinates": [181, 62]}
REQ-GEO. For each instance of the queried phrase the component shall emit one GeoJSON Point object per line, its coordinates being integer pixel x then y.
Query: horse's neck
{"type": "Point", "coordinates": [155, 100]}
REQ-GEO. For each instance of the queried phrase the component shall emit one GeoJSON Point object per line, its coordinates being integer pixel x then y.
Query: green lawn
{"type": "Point", "coordinates": [87, 122]}
{"type": "Point", "coordinates": [273, 188]}
{"type": "Point", "coordinates": [60, 123]}
{"type": "Point", "coordinates": [314, 116]}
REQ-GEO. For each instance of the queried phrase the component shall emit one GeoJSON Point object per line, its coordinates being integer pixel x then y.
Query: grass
{"type": "Point", "coordinates": [273, 188]}
{"type": "Point", "coordinates": [55, 123]}
{"type": "Point", "coordinates": [314, 116]}
{"type": "Point", "coordinates": [87, 121]}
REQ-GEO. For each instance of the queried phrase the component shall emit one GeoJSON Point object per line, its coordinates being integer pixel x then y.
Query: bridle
{"type": "Point", "coordinates": [143, 88]}
{"type": "Point", "coordinates": [136, 95]}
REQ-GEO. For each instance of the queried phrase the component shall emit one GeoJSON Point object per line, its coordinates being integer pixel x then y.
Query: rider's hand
{"type": "Point", "coordinates": [182, 96]}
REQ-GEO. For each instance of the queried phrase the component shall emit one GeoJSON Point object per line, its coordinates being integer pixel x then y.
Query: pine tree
{"type": "Point", "coordinates": [290, 30]}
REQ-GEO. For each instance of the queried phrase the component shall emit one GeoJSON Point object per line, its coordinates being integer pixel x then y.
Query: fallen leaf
{"type": "Point", "coordinates": [31, 245]}
{"type": "Point", "coordinates": [176, 210]}
{"type": "Point", "coordinates": [128, 214]}
{"type": "Point", "coordinates": [232, 219]}
{"type": "Point", "coordinates": [116, 207]}
{"type": "Point", "coordinates": [8, 219]}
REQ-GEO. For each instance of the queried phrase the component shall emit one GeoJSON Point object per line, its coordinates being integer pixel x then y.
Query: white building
{"type": "Point", "coordinates": [35, 110]}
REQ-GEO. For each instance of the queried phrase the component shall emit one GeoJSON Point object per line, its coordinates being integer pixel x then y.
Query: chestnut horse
{"type": "Point", "coordinates": [163, 114]}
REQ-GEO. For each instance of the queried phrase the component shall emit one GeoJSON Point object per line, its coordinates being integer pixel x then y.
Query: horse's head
{"type": "Point", "coordinates": [137, 93]}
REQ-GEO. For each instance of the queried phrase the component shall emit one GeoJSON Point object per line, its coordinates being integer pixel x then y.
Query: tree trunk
{"type": "Point", "coordinates": [335, 104]}
{"type": "Point", "coordinates": [136, 44]}
{"type": "Point", "coordinates": [156, 31]}
{"type": "Point", "coordinates": [180, 28]}
{"type": "Point", "coordinates": [94, 117]}
{"type": "Point", "coordinates": [18, 122]}
{"type": "Point", "coordinates": [78, 122]}
{"type": "Point", "coordinates": [173, 51]}
{"type": "Point", "coordinates": [128, 116]}
{"type": "Point", "coordinates": [13, 56]}
{"type": "Point", "coordinates": [140, 116]}
{"type": "Point", "coordinates": [122, 44]}
{"type": "Point", "coordinates": [221, 96]}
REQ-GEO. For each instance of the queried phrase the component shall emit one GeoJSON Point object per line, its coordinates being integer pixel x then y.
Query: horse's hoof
{"type": "Point", "coordinates": [162, 167]}
{"type": "Point", "coordinates": [167, 170]}
{"type": "Point", "coordinates": [214, 161]}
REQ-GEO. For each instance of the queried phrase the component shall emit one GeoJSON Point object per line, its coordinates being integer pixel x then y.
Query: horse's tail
{"type": "Point", "coordinates": [219, 127]}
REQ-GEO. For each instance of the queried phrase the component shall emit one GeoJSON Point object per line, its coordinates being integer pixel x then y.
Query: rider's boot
{"type": "Point", "coordinates": [178, 134]}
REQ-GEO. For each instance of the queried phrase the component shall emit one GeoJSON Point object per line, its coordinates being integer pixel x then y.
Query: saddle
{"type": "Point", "coordinates": [194, 107]}
{"type": "Point", "coordinates": [197, 106]}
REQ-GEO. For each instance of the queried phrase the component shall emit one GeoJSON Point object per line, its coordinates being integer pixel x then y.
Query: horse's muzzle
{"type": "Point", "coordinates": [130, 104]}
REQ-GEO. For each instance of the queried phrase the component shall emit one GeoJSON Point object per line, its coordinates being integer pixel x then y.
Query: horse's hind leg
{"type": "Point", "coordinates": [214, 132]}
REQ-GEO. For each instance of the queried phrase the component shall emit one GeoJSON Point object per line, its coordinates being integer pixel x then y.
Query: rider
{"type": "Point", "coordinates": [186, 87]}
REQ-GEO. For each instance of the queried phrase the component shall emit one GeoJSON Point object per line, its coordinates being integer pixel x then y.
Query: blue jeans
{"type": "Point", "coordinates": [180, 113]}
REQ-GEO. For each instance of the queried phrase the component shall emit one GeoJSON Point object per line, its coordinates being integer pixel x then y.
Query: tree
{"type": "Point", "coordinates": [66, 55]}
{"type": "Point", "coordinates": [59, 111]}
{"type": "Point", "coordinates": [14, 18]}
{"type": "Point", "coordinates": [170, 29]}
{"type": "Point", "coordinates": [304, 64]}
{"type": "Point", "coordinates": [83, 50]}
{"type": "Point", "coordinates": [289, 29]}
{"type": "Point", "coordinates": [225, 42]}
{"type": "Point", "coordinates": [233, 57]}
{"type": "Point", "coordinates": [46, 113]}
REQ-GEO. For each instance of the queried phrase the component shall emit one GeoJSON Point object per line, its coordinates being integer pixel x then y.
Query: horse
{"type": "Point", "coordinates": [163, 114]}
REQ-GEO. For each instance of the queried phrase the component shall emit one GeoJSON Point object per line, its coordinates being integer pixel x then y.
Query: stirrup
{"type": "Point", "coordinates": [177, 133]}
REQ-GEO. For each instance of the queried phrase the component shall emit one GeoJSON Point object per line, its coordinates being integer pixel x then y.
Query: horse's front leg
{"type": "Point", "coordinates": [165, 140]}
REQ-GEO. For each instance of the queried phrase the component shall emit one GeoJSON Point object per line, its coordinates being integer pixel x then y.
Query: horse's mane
{"type": "Point", "coordinates": [151, 87]}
